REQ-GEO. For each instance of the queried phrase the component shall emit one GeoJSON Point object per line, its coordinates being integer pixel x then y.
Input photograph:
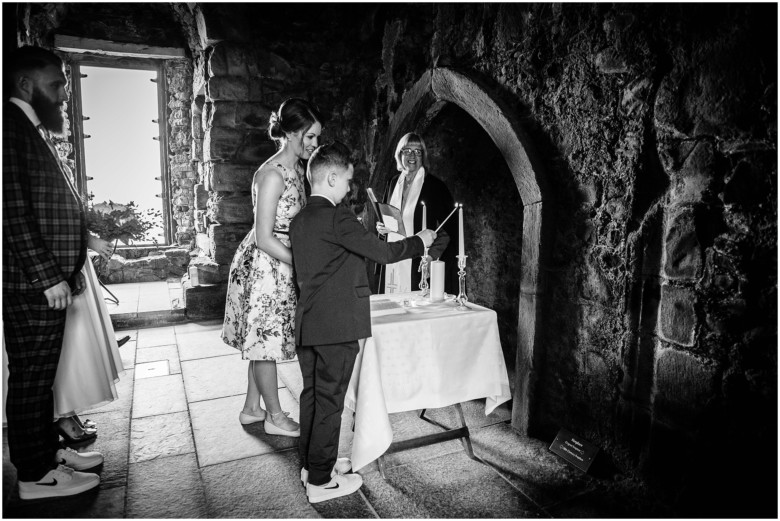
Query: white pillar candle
{"type": "Point", "coordinates": [437, 281]}
{"type": "Point", "coordinates": [461, 247]}
{"type": "Point", "coordinates": [425, 216]}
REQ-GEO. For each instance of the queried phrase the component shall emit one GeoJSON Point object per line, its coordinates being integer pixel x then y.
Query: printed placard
{"type": "Point", "coordinates": [574, 449]}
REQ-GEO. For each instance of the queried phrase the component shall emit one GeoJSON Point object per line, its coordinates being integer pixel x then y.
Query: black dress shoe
{"type": "Point", "coordinates": [122, 341]}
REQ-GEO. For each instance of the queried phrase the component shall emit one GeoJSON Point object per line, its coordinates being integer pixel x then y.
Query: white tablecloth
{"type": "Point", "coordinates": [429, 356]}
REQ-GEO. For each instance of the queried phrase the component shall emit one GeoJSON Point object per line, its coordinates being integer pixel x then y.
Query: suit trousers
{"type": "Point", "coordinates": [326, 370]}
{"type": "Point", "coordinates": [33, 341]}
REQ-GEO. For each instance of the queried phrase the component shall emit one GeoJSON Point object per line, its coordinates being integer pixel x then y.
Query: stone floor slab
{"type": "Point", "coordinates": [160, 436]}
{"type": "Point", "coordinates": [161, 395]}
{"type": "Point", "coordinates": [166, 488]}
{"type": "Point", "coordinates": [156, 336]}
{"type": "Point", "coordinates": [219, 437]}
{"type": "Point", "coordinates": [216, 377]}
{"type": "Point", "coordinates": [453, 486]}
{"type": "Point", "coordinates": [199, 326]}
{"type": "Point", "coordinates": [266, 486]}
{"type": "Point", "coordinates": [113, 442]}
{"type": "Point", "coordinates": [154, 354]}
{"type": "Point", "coordinates": [202, 344]}
{"type": "Point", "coordinates": [529, 465]}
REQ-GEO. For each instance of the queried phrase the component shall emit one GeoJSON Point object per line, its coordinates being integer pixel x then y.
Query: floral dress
{"type": "Point", "coordinates": [260, 303]}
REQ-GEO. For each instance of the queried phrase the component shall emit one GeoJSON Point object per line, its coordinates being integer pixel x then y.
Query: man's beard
{"type": "Point", "coordinates": [49, 112]}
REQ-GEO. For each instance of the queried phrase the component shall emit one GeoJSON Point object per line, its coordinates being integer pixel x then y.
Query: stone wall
{"type": "Point", "coordinates": [148, 265]}
{"type": "Point", "coordinates": [183, 172]}
{"type": "Point", "coordinates": [656, 126]}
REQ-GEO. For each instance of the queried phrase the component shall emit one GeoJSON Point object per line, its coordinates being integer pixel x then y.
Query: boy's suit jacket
{"type": "Point", "coordinates": [329, 247]}
{"type": "Point", "coordinates": [44, 228]}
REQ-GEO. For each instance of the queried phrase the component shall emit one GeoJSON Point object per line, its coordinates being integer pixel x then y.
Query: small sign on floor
{"type": "Point", "coordinates": [574, 449]}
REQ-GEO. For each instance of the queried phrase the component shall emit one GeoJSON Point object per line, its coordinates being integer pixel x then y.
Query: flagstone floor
{"type": "Point", "coordinates": [174, 448]}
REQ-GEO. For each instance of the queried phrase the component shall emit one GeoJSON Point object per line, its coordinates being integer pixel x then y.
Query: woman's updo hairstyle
{"type": "Point", "coordinates": [293, 115]}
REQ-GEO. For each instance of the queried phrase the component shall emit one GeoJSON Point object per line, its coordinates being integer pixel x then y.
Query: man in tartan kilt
{"type": "Point", "coordinates": [44, 249]}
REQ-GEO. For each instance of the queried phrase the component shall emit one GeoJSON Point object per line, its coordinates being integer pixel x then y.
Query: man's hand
{"type": "Point", "coordinates": [79, 284]}
{"type": "Point", "coordinates": [104, 248]}
{"type": "Point", "coordinates": [59, 296]}
{"type": "Point", "coordinates": [427, 236]}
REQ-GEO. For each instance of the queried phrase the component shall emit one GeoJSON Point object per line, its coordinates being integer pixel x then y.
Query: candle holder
{"type": "Point", "coordinates": [424, 274]}
{"type": "Point", "coordinates": [461, 299]}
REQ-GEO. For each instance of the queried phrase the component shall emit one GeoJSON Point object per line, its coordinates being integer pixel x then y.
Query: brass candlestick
{"type": "Point", "coordinates": [461, 299]}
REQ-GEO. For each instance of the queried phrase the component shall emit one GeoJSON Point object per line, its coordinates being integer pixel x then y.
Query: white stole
{"type": "Point", "coordinates": [398, 276]}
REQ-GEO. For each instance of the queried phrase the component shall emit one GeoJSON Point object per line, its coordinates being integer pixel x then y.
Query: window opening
{"type": "Point", "coordinates": [123, 141]}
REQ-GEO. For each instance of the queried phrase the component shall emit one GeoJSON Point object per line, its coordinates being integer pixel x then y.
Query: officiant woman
{"type": "Point", "coordinates": [407, 191]}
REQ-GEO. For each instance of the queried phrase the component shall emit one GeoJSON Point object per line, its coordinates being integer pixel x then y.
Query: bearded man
{"type": "Point", "coordinates": [44, 248]}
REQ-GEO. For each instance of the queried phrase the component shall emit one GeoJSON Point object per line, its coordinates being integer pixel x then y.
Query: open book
{"type": "Point", "coordinates": [389, 215]}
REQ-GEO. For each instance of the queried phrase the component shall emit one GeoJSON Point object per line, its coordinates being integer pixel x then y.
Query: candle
{"type": "Point", "coordinates": [425, 216]}
{"type": "Point", "coordinates": [462, 249]}
{"type": "Point", "coordinates": [437, 281]}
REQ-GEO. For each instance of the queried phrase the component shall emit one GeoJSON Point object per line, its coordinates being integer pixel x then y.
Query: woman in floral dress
{"type": "Point", "coordinates": [260, 304]}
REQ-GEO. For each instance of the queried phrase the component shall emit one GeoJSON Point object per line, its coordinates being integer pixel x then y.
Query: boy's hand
{"type": "Point", "coordinates": [427, 236]}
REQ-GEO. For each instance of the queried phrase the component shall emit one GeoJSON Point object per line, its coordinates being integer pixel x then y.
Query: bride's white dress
{"type": "Point", "coordinates": [90, 363]}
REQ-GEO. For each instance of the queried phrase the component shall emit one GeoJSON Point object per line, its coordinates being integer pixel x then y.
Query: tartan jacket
{"type": "Point", "coordinates": [44, 226]}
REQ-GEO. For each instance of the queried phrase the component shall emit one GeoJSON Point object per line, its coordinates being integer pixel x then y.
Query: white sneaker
{"type": "Point", "coordinates": [343, 466]}
{"type": "Point", "coordinates": [62, 481]}
{"type": "Point", "coordinates": [339, 486]}
{"type": "Point", "coordinates": [78, 460]}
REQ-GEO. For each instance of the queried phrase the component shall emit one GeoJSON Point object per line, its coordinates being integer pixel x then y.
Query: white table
{"type": "Point", "coordinates": [430, 356]}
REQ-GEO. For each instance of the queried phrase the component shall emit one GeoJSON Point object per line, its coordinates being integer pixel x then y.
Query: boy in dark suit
{"type": "Point", "coordinates": [329, 248]}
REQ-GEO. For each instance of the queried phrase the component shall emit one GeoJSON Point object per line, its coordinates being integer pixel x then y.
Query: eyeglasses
{"type": "Point", "coordinates": [409, 151]}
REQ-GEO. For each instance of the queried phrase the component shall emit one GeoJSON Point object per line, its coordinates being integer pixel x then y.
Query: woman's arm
{"type": "Point", "coordinates": [96, 244]}
{"type": "Point", "coordinates": [269, 186]}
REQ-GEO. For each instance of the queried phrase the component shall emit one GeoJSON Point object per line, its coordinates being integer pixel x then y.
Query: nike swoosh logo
{"type": "Point", "coordinates": [52, 484]}
{"type": "Point", "coordinates": [332, 488]}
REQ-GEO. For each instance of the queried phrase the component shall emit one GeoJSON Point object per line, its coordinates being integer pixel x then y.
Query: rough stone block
{"type": "Point", "coordinates": [223, 253]}
{"type": "Point", "coordinates": [252, 115]}
{"type": "Point", "coordinates": [201, 197]}
{"type": "Point", "coordinates": [255, 149]}
{"type": "Point", "coordinates": [228, 177]}
{"type": "Point", "coordinates": [198, 221]}
{"type": "Point", "coordinates": [158, 261]}
{"type": "Point", "coordinates": [221, 144]}
{"type": "Point", "coordinates": [696, 174]}
{"type": "Point", "coordinates": [227, 60]}
{"type": "Point", "coordinates": [228, 232]}
{"type": "Point", "coordinates": [682, 251]}
{"type": "Point", "coordinates": [177, 256]}
{"type": "Point", "coordinates": [204, 301]}
{"type": "Point", "coordinates": [225, 209]}
{"type": "Point", "coordinates": [238, 115]}
{"type": "Point", "coordinates": [203, 270]}
{"type": "Point", "coordinates": [683, 386]}
{"type": "Point", "coordinates": [228, 88]}
{"type": "Point", "coordinates": [677, 317]}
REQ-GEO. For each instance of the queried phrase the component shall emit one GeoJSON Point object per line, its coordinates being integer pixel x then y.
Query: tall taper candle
{"type": "Point", "coordinates": [437, 281]}
{"type": "Point", "coordinates": [425, 216]}
{"type": "Point", "coordinates": [461, 248]}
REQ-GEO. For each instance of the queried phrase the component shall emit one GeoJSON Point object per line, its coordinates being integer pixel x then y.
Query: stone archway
{"type": "Point", "coordinates": [434, 89]}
